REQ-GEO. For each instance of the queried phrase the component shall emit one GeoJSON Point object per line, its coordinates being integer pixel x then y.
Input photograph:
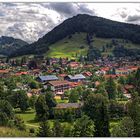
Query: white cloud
{"type": "Point", "coordinates": [30, 21]}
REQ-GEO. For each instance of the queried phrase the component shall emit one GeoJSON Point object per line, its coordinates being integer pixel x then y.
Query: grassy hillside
{"type": "Point", "coordinates": [77, 45]}
{"type": "Point", "coordinates": [69, 47]}
{"type": "Point", "coordinates": [10, 132]}
{"type": "Point", "coordinates": [101, 27]}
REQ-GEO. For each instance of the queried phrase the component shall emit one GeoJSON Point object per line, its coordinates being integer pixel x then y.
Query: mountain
{"type": "Point", "coordinates": [82, 23]}
{"type": "Point", "coordinates": [9, 44]}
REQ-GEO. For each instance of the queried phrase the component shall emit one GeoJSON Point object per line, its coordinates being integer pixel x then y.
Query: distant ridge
{"type": "Point", "coordinates": [9, 44]}
{"type": "Point", "coordinates": [98, 26]}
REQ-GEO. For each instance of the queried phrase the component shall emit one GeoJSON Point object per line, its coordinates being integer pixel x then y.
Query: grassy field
{"type": "Point", "coordinates": [29, 118]}
{"type": "Point", "coordinates": [11, 132]}
{"type": "Point", "coordinates": [62, 101]}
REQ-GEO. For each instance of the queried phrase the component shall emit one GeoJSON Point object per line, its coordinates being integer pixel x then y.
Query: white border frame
{"type": "Point", "coordinates": [73, 1]}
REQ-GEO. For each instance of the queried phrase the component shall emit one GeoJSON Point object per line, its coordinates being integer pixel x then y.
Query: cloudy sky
{"type": "Point", "coordinates": [30, 21]}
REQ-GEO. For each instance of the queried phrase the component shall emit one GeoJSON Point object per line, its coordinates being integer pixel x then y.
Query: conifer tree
{"type": "Point", "coordinates": [44, 129]}
{"type": "Point", "coordinates": [111, 88]}
{"type": "Point", "coordinates": [42, 110]}
{"type": "Point", "coordinates": [96, 107]}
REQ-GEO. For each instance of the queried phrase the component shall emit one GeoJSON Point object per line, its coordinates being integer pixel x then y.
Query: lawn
{"type": "Point", "coordinates": [29, 118]}
{"type": "Point", "coordinates": [61, 101]}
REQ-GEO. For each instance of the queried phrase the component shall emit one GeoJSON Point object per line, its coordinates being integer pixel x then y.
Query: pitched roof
{"type": "Point", "coordinates": [69, 105]}
{"type": "Point", "coordinates": [48, 78]}
{"type": "Point", "coordinates": [97, 83]}
{"type": "Point", "coordinates": [87, 73]}
{"type": "Point", "coordinates": [74, 64]}
{"type": "Point", "coordinates": [4, 71]}
{"type": "Point", "coordinates": [104, 69]}
{"type": "Point", "coordinates": [62, 75]}
{"type": "Point", "coordinates": [110, 76]}
{"type": "Point", "coordinates": [122, 69]}
{"type": "Point", "coordinates": [77, 76]}
{"type": "Point", "coordinates": [128, 86]}
{"type": "Point", "coordinates": [21, 73]}
{"type": "Point", "coordinates": [75, 84]}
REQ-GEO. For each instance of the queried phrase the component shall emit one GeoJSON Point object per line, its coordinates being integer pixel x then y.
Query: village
{"type": "Point", "coordinates": [61, 74]}
{"type": "Point", "coordinates": [63, 90]}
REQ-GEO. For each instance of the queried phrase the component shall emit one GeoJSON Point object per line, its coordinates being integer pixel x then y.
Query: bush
{"type": "Point", "coordinates": [32, 130]}
{"type": "Point", "coordinates": [3, 119]}
{"type": "Point", "coordinates": [19, 123]}
{"type": "Point", "coordinates": [116, 110]}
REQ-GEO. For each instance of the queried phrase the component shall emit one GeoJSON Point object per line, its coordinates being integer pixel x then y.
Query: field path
{"type": "Point", "coordinates": [32, 125]}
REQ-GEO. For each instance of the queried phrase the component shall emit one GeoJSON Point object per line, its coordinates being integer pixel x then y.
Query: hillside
{"type": "Point", "coordinates": [97, 26]}
{"type": "Point", "coordinates": [10, 132]}
{"type": "Point", "coordinates": [77, 45]}
{"type": "Point", "coordinates": [74, 46]}
{"type": "Point", "coordinates": [9, 44]}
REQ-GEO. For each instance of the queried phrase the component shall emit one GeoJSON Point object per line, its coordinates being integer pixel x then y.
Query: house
{"type": "Point", "coordinates": [35, 72]}
{"type": "Point", "coordinates": [110, 76]}
{"type": "Point", "coordinates": [127, 89]}
{"type": "Point", "coordinates": [75, 78]}
{"type": "Point", "coordinates": [4, 73]}
{"type": "Point", "coordinates": [35, 91]}
{"type": "Point", "coordinates": [69, 105]}
{"type": "Point", "coordinates": [47, 78]}
{"type": "Point", "coordinates": [97, 83]}
{"type": "Point", "coordinates": [53, 61]}
{"type": "Point", "coordinates": [74, 65]}
{"type": "Point", "coordinates": [58, 87]}
{"type": "Point", "coordinates": [122, 71]}
{"type": "Point", "coordinates": [74, 84]}
{"type": "Point", "coordinates": [133, 68]}
{"type": "Point", "coordinates": [21, 73]}
{"type": "Point", "coordinates": [102, 71]}
{"type": "Point", "coordinates": [87, 74]}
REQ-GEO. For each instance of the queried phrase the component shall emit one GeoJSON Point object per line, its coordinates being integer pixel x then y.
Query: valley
{"type": "Point", "coordinates": [81, 79]}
